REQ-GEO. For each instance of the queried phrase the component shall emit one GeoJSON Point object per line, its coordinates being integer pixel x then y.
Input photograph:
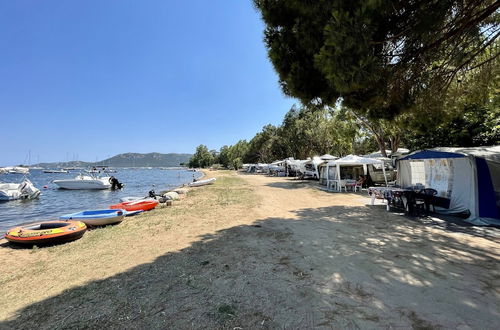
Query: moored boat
{"type": "Point", "coordinates": [96, 217]}
{"type": "Point", "coordinates": [47, 232]}
{"type": "Point", "coordinates": [15, 170]}
{"type": "Point", "coordinates": [23, 190]}
{"type": "Point", "coordinates": [144, 205]}
{"type": "Point", "coordinates": [88, 182]}
{"type": "Point", "coordinates": [55, 171]}
{"type": "Point", "coordinates": [202, 182]}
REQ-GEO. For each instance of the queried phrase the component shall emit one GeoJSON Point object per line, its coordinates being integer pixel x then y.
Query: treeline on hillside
{"type": "Point", "coordinates": [306, 132]}
{"type": "Point", "coordinates": [377, 75]}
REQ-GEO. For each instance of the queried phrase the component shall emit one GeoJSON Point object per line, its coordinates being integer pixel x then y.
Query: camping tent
{"type": "Point", "coordinates": [468, 177]}
{"type": "Point", "coordinates": [351, 160]}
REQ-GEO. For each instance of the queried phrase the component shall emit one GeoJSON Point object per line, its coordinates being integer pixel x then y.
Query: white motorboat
{"type": "Point", "coordinates": [23, 190]}
{"type": "Point", "coordinates": [133, 199]}
{"type": "Point", "coordinates": [81, 181]}
{"type": "Point", "coordinates": [55, 171]}
{"type": "Point", "coordinates": [15, 170]}
{"type": "Point", "coordinates": [202, 182]}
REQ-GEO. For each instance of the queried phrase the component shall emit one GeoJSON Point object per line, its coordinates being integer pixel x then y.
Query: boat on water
{"type": "Point", "coordinates": [47, 232]}
{"type": "Point", "coordinates": [202, 182]}
{"type": "Point", "coordinates": [56, 171]}
{"type": "Point", "coordinates": [88, 182]}
{"type": "Point", "coordinates": [99, 169]}
{"type": "Point", "coordinates": [15, 170]}
{"type": "Point", "coordinates": [144, 205]}
{"type": "Point", "coordinates": [23, 190]}
{"type": "Point", "coordinates": [96, 218]}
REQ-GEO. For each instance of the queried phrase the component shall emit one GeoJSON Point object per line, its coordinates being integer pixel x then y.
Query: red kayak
{"type": "Point", "coordinates": [136, 206]}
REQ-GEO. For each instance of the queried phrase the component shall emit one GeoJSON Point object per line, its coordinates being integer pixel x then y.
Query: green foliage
{"type": "Point", "coordinates": [378, 57]}
{"type": "Point", "coordinates": [475, 126]}
{"type": "Point", "coordinates": [202, 157]}
{"type": "Point", "coordinates": [305, 132]}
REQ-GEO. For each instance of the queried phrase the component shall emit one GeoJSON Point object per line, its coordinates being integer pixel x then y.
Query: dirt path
{"type": "Point", "coordinates": [259, 252]}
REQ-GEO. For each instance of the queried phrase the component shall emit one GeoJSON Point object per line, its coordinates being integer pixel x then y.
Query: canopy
{"type": "Point", "coordinates": [353, 160]}
{"type": "Point", "coordinates": [328, 157]}
{"type": "Point", "coordinates": [489, 153]}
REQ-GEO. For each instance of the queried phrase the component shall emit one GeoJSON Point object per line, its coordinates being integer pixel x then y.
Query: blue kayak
{"type": "Point", "coordinates": [97, 217]}
{"type": "Point", "coordinates": [131, 213]}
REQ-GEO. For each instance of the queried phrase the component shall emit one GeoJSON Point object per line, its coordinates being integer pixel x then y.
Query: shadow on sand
{"type": "Point", "coordinates": [331, 267]}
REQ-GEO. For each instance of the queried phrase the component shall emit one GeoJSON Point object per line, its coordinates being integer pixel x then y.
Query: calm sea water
{"type": "Point", "coordinates": [54, 202]}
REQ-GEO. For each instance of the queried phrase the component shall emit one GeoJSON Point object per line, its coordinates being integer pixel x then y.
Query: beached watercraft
{"type": "Point", "coordinates": [202, 182]}
{"type": "Point", "coordinates": [47, 232]}
{"type": "Point", "coordinates": [132, 213]}
{"type": "Point", "coordinates": [144, 205]}
{"type": "Point", "coordinates": [85, 182]}
{"type": "Point", "coordinates": [134, 199]}
{"type": "Point", "coordinates": [96, 217]}
{"type": "Point", "coordinates": [23, 190]}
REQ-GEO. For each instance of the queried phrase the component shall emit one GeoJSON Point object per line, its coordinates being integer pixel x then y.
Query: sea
{"type": "Point", "coordinates": [54, 202]}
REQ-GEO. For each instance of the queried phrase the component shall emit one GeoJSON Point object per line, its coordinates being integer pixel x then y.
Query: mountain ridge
{"type": "Point", "coordinates": [129, 159]}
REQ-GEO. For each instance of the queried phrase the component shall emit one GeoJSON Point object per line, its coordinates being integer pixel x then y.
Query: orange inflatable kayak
{"type": "Point", "coordinates": [136, 206]}
{"type": "Point", "coordinates": [47, 232]}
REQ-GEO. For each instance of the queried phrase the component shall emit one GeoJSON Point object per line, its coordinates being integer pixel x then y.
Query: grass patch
{"type": "Point", "coordinates": [226, 311]}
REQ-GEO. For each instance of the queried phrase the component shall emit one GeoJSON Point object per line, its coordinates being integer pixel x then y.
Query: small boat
{"type": "Point", "coordinates": [96, 218]}
{"type": "Point", "coordinates": [90, 182]}
{"type": "Point", "coordinates": [16, 170]}
{"type": "Point", "coordinates": [55, 171]}
{"type": "Point", "coordinates": [132, 213]}
{"type": "Point", "coordinates": [23, 190]}
{"type": "Point", "coordinates": [133, 198]}
{"type": "Point", "coordinates": [202, 182]}
{"type": "Point", "coordinates": [144, 205]}
{"type": "Point", "coordinates": [47, 232]}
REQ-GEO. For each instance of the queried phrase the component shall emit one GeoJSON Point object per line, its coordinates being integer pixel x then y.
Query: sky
{"type": "Point", "coordinates": [86, 80]}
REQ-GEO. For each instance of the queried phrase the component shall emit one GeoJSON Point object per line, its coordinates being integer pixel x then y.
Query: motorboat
{"type": "Point", "coordinates": [15, 170]}
{"type": "Point", "coordinates": [23, 190]}
{"type": "Point", "coordinates": [202, 182]}
{"type": "Point", "coordinates": [97, 217]}
{"type": "Point", "coordinates": [55, 171]}
{"type": "Point", "coordinates": [90, 182]}
{"type": "Point", "coordinates": [134, 199]}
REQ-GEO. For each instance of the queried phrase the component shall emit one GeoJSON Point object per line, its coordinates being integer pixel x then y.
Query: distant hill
{"type": "Point", "coordinates": [153, 159]}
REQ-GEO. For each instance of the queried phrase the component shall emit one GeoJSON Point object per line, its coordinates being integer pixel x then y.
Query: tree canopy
{"type": "Point", "coordinates": [377, 56]}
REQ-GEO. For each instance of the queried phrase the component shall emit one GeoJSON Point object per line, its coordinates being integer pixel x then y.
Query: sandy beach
{"type": "Point", "coordinates": [258, 252]}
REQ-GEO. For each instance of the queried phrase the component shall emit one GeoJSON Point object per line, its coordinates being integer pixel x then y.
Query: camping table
{"type": "Point", "coordinates": [377, 192]}
{"type": "Point", "coordinates": [409, 194]}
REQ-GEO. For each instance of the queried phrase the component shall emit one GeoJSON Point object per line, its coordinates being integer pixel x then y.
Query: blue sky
{"type": "Point", "coordinates": [96, 78]}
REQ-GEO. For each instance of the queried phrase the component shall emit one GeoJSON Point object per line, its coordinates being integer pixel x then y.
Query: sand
{"type": "Point", "coordinates": [257, 252]}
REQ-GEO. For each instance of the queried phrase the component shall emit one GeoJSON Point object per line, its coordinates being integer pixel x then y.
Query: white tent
{"type": "Point", "coordinates": [351, 160]}
{"type": "Point", "coordinates": [328, 157]}
{"type": "Point", "coordinates": [468, 178]}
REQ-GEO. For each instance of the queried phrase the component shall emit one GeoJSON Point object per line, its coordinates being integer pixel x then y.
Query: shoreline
{"type": "Point", "coordinates": [254, 251]}
{"type": "Point", "coordinates": [55, 202]}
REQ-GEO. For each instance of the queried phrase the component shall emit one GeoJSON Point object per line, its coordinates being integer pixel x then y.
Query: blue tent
{"type": "Point", "coordinates": [468, 177]}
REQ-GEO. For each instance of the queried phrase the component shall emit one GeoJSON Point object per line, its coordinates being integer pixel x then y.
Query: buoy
{"type": "Point", "coordinates": [45, 187]}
